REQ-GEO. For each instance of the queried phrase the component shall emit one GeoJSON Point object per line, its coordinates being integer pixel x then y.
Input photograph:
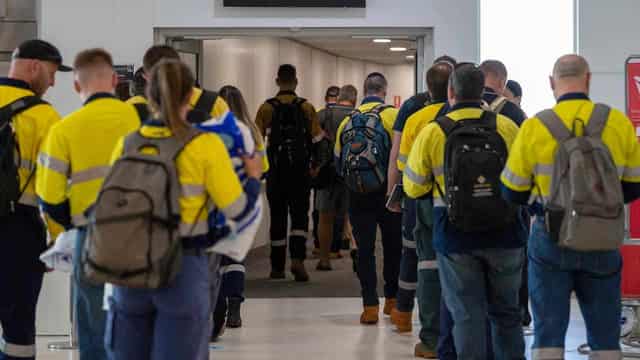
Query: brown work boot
{"type": "Point", "coordinates": [422, 351]}
{"type": "Point", "coordinates": [370, 315]}
{"type": "Point", "coordinates": [298, 271]}
{"type": "Point", "coordinates": [402, 320]}
{"type": "Point", "coordinates": [389, 304]}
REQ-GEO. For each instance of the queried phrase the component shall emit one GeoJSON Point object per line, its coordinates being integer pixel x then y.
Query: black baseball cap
{"type": "Point", "coordinates": [40, 50]}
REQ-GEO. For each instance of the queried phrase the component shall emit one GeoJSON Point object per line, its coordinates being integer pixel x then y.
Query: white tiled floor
{"type": "Point", "coordinates": [317, 329]}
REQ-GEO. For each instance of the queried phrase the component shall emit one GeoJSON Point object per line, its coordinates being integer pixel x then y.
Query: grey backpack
{"type": "Point", "coordinates": [585, 210]}
{"type": "Point", "coordinates": [133, 237]}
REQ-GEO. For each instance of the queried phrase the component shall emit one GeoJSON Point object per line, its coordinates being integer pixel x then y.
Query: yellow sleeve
{"type": "Point", "coordinates": [221, 181]}
{"type": "Point", "coordinates": [389, 119]}
{"type": "Point", "coordinates": [417, 177]}
{"type": "Point", "coordinates": [518, 173]}
{"type": "Point", "coordinates": [337, 148]}
{"type": "Point", "coordinates": [408, 137]}
{"type": "Point", "coordinates": [53, 168]}
{"type": "Point", "coordinates": [631, 171]}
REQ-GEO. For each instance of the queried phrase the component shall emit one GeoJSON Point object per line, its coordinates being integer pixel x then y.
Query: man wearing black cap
{"type": "Point", "coordinates": [33, 67]}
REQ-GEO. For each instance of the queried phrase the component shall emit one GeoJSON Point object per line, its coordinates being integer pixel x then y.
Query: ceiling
{"type": "Point", "coordinates": [363, 49]}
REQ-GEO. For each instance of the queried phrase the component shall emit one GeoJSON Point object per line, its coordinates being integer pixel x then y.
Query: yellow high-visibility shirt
{"type": "Point", "coordinates": [415, 123]}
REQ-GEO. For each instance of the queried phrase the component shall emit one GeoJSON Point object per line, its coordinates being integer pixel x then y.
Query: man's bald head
{"type": "Point", "coordinates": [570, 74]}
{"type": "Point", "coordinates": [570, 66]}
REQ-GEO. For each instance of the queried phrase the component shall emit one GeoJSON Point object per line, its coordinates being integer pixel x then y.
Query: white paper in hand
{"type": "Point", "coordinates": [240, 240]}
{"type": "Point", "coordinates": [60, 256]}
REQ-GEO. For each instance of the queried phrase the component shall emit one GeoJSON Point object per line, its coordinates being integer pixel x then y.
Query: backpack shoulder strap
{"type": "Point", "coordinates": [206, 101]}
{"type": "Point", "coordinates": [498, 104]}
{"type": "Point", "coordinates": [14, 108]}
{"type": "Point", "coordinates": [274, 102]}
{"type": "Point", "coordinates": [380, 108]}
{"type": "Point", "coordinates": [554, 124]}
{"type": "Point", "coordinates": [299, 101]}
{"type": "Point", "coordinates": [446, 124]}
{"type": "Point", "coordinates": [598, 120]}
{"type": "Point", "coordinates": [168, 148]}
{"type": "Point", "coordinates": [142, 110]}
{"type": "Point", "coordinates": [489, 119]}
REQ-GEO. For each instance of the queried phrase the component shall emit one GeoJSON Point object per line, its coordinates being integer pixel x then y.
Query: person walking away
{"type": "Point", "coordinates": [332, 199]}
{"type": "Point", "coordinates": [25, 121]}
{"type": "Point", "coordinates": [72, 167]}
{"type": "Point", "coordinates": [476, 237]}
{"type": "Point", "coordinates": [245, 141]}
{"type": "Point", "coordinates": [570, 250]}
{"type": "Point", "coordinates": [424, 263]}
{"type": "Point", "coordinates": [170, 320]}
{"type": "Point", "coordinates": [362, 161]}
{"type": "Point", "coordinates": [294, 145]}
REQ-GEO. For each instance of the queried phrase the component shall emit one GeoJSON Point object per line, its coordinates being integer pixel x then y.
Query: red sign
{"type": "Point", "coordinates": [632, 88]}
{"type": "Point", "coordinates": [397, 101]}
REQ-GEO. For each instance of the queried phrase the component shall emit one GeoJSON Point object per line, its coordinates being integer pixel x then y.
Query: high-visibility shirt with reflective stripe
{"type": "Point", "coordinates": [31, 128]}
{"type": "Point", "coordinates": [528, 170]}
{"type": "Point", "coordinates": [425, 164]}
{"type": "Point", "coordinates": [388, 117]}
{"type": "Point", "coordinates": [412, 128]}
{"type": "Point", "coordinates": [427, 154]}
{"type": "Point", "coordinates": [265, 115]}
{"type": "Point", "coordinates": [205, 172]}
{"type": "Point", "coordinates": [75, 157]}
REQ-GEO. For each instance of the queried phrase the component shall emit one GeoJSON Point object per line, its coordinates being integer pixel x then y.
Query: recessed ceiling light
{"type": "Point", "coordinates": [411, 57]}
{"type": "Point", "coordinates": [398, 49]}
{"type": "Point", "coordinates": [382, 41]}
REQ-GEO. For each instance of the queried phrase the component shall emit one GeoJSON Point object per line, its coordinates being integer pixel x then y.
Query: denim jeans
{"type": "Point", "coordinates": [554, 273]}
{"type": "Point", "coordinates": [87, 305]}
{"type": "Point", "coordinates": [163, 324]}
{"type": "Point", "coordinates": [484, 283]}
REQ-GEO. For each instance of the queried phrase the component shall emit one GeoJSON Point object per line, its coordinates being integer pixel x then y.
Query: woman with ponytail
{"type": "Point", "coordinates": [173, 322]}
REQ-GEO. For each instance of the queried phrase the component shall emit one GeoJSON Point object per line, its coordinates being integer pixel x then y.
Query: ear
{"type": "Point", "coordinates": [145, 76]}
{"type": "Point", "coordinates": [552, 83]}
{"type": "Point", "coordinates": [588, 81]}
{"type": "Point", "coordinates": [76, 86]}
{"type": "Point", "coordinates": [451, 95]}
{"type": "Point", "coordinates": [114, 80]}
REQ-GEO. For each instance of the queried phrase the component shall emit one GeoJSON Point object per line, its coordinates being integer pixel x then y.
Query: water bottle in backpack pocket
{"type": "Point", "coordinates": [133, 236]}
{"type": "Point", "coordinates": [475, 155]}
{"type": "Point", "coordinates": [366, 145]}
{"type": "Point", "coordinates": [585, 210]}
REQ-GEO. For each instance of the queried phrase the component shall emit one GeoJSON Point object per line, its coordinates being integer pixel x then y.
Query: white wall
{"type": "Point", "coordinates": [607, 35]}
{"type": "Point", "coordinates": [251, 63]}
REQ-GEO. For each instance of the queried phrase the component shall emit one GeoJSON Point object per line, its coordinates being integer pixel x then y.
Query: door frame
{"type": "Point", "coordinates": [422, 35]}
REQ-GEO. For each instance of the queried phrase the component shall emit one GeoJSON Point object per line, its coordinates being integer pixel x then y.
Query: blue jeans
{"type": "Point", "coordinates": [554, 273]}
{"type": "Point", "coordinates": [89, 313]}
{"type": "Point", "coordinates": [163, 324]}
{"type": "Point", "coordinates": [484, 283]}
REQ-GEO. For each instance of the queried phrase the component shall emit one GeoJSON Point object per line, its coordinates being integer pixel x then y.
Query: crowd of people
{"type": "Point", "coordinates": [484, 213]}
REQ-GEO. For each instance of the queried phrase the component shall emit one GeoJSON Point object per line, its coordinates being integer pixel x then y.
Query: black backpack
{"type": "Point", "coordinates": [475, 155]}
{"type": "Point", "coordinates": [290, 138]}
{"type": "Point", "coordinates": [10, 191]}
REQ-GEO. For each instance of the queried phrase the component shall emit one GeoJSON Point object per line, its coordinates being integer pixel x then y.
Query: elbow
{"type": "Point", "coordinates": [517, 197]}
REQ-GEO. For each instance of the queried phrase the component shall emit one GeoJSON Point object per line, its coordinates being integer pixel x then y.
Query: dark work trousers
{"type": "Point", "coordinates": [338, 233]}
{"type": "Point", "coordinates": [288, 196]}
{"type": "Point", "coordinates": [367, 212]}
{"type": "Point", "coordinates": [23, 238]}
{"type": "Point", "coordinates": [315, 215]}
{"type": "Point", "coordinates": [408, 282]}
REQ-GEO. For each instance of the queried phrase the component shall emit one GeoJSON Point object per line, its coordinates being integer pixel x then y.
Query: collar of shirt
{"type": "Point", "coordinates": [15, 83]}
{"type": "Point", "coordinates": [573, 96]}
{"type": "Point", "coordinates": [99, 95]}
{"type": "Point", "coordinates": [463, 105]}
{"type": "Point", "coordinates": [372, 99]}
{"type": "Point", "coordinates": [154, 123]}
{"type": "Point", "coordinates": [287, 92]}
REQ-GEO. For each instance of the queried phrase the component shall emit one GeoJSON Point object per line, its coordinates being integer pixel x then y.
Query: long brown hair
{"type": "Point", "coordinates": [170, 85]}
{"type": "Point", "coordinates": [238, 106]}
